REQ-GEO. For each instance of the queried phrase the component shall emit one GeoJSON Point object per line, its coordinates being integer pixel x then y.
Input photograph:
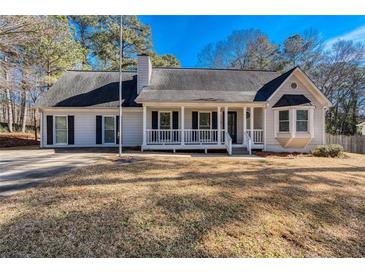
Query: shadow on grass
{"type": "Point", "coordinates": [143, 210]}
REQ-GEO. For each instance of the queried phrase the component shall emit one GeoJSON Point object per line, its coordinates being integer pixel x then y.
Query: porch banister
{"type": "Point", "coordinates": [244, 125]}
{"type": "Point", "coordinates": [144, 124]}
{"type": "Point", "coordinates": [226, 119]}
{"type": "Point", "coordinates": [251, 121]}
{"type": "Point", "coordinates": [219, 124]}
{"type": "Point", "coordinates": [182, 125]}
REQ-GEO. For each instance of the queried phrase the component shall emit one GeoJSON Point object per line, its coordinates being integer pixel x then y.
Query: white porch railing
{"type": "Point", "coordinates": [257, 135]}
{"type": "Point", "coordinates": [202, 136]}
{"type": "Point", "coordinates": [191, 136]}
{"type": "Point", "coordinates": [249, 142]}
{"type": "Point", "coordinates": [163, 136]}
{"type": "Point", "coordinates": [228, 143]}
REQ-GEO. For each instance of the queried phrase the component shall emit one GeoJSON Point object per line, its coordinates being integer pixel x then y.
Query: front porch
{"type": "Point", "coordinates": [203, 127]}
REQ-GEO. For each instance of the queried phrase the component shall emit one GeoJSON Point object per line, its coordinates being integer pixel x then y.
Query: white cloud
{"type": "Point", "coordinates": [357, 35]}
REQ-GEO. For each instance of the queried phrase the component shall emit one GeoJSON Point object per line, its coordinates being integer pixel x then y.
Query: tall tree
{"type": "Point", "coordinates": [86, 26]}
{"type": "Point", "coordinates": [243, 49]}
{"type": "Point", "coordinates": [106, 41]}
{"type": "Point", "coordinates": [15, 31]}
{"type": "Point", "coordinates": [304, 50]}
{"type": "Point", "coordinates": [56, 50]}
{"type": "Point", "coordinates": [166, 60]}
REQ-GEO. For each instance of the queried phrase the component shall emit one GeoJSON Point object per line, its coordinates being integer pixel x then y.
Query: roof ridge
{"type": "Point", "coordinates": [91, 70]}
{"type": "Point", "coordinates": [225, 69]}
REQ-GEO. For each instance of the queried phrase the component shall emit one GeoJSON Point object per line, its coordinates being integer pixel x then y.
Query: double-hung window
{"type": "Point", "coordinates": [284, 121]}
{"type": "Point", "coordinates": [302, 120]}
{"type": "Point", "coordinates": [61, 129]}
{"type": "Point", "coordinates": [109, 129]}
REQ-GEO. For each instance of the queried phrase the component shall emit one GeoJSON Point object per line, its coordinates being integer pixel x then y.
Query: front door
{"type": "Point", "coordinates": [232, 125]}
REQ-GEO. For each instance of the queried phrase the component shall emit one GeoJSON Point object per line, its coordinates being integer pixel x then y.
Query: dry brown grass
{"type": "Point", "coordinates": [184, 207]}
{"type": "Point", "coordinates": [14, 139]}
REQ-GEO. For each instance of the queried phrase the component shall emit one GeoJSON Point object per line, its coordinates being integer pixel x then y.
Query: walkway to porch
{"type": "Point", "coordinates": [176, 128]}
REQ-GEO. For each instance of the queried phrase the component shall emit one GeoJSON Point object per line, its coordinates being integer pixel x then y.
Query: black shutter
{"type": "Point", "coordinates": [154, 119]}
{"type": "Point", "coordinates": [99, 129]}
{"type": "Point", "coordinates": [117, 131]}
{"type": "Point", "coordinates": [71, 129]}
{"type": "Point", "coordinates": [195, 120]}
{"type": "Point", "coordinates": [175, 120]}
{"type": "Point", "coordinates": [49, 130]}
{"type": "Point", "coordinates": [214, 120]}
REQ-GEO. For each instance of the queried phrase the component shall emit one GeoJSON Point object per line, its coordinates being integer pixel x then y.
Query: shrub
{"type": "Point", "coordinates": [328, 151]}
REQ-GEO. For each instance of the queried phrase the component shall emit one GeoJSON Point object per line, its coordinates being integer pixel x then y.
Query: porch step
{"type": "Point", "coordinates": [239, 151]}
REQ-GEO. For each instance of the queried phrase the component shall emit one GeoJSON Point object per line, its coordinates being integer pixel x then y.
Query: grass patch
{"type": "Point", "coordinates": [300, 206]}
{"type": "Point", "coordinates": [14, 139]}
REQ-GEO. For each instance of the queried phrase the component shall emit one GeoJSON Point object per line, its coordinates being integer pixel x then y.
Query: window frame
{"type": "Point", "coordinates": [55, 129]}
{"type": "Point", "coordinates": [114, 129]}
{"type": "Point", "coordinates": [210, 120]}
{"type": "Point", "coordinates": [296, 121]}
{"type": "Point", "coordinates": [288, 121]}
{"type": "Point", "coordinates": [159, 119]}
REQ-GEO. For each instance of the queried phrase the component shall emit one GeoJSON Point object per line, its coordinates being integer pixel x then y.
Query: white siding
{"type": "Point", "coordinates": [132, 129]}
{"type": "Point", "coordinates": [318, 120]}
{"type": "Point", "coordinates": [85, 126]}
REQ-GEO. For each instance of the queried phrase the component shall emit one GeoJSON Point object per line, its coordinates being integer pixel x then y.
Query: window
{"type": "Point", "coordinates": [109, 129]}
{"type": "Point", "coordinates": [204, 120]}
{"type": "Point", "coordinates": [302, 120]}
{"type": "Point", "coordinates": [61, 129]}
{"type": "Point", "coordinates": [284, 121]}
{"type": "Point", "coordinates": [293, 85]}
{"type": "Point", "coordinates": [165, 120]}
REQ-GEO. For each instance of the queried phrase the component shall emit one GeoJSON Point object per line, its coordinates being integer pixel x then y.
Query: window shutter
{"type": "Point", "coordinates": [71, 129]}
{"type": "Point", "coordinates": [154, 119]}
{"type": "Point", "coordinates": [195, 120]}
{"type": "Point", "coordinates": [49, 130]}
{"type": "Point", "coordinates": [99, 130]}
{"type": "Point", "coordinates": [214, 120]}
{"type": "Point", "coordinates": [117, 129]}
{"type": "Point", "coordinates": [175, 120]}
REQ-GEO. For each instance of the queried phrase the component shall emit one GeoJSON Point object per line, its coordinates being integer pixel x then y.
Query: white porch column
{"type": "Point", "coordinates": [251, 122]}
{"type": "Point", "coordinates": [40, 128]}
{"type": "Point", "coordinates": [226, 119]}
{"type": "Point", "coordinates": [182, 125]}
{"type": "Point", "coordinates": [144, 125]}
{"type": "Point", "coordinates": [219, 124]}
{"type": "Point", "coordinates": [244, 126]}
{"type": "Point", "coordinates": [264, 127]}
{"type": "Point", "coordinates": [311, 122]}
{"type": "Point", "coordinates": [292, 122]}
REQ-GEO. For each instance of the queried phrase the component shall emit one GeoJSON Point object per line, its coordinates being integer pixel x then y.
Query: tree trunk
{"type": "Point", "coordinates": [23, 115]}
{"type": "Point", "coordinates": [10, 111]}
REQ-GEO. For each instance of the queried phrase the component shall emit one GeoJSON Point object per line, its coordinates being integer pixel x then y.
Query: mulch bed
{"type": "Point", "coordinates": [15, 139]}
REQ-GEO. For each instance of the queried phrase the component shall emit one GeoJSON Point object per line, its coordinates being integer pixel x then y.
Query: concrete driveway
{"type": "Point", "coordinates": [22, 168]}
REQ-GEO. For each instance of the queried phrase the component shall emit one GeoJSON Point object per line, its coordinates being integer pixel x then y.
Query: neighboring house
{"type": "Point", "coordinates": [361, 128]}
{"type": "Point", "coordinates": [177, 108]}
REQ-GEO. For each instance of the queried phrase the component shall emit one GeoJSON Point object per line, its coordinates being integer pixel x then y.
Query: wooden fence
{"type": "Point", "coordinates": [354, 144]}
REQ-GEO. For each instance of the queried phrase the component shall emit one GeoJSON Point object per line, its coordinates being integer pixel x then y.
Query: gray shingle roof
{"type": "Point", "coordinates": [292, 100]}
{"type": "Point", "coordinates": [101, 89]}
{"type": "Point", "coordinates": [90, 88]}
{"type": "Point", "coordinates": [174, 85]}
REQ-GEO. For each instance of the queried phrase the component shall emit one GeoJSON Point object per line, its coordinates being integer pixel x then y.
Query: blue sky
{"type": "Point", "coordinates": [185, 36]}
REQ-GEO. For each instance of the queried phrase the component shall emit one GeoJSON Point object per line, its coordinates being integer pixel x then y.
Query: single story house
{"type": "Point", "coordinates": [181, 108]}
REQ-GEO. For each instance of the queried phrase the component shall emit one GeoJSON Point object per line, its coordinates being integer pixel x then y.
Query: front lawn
{"type": "Point", "coordinates": [298, 206]}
